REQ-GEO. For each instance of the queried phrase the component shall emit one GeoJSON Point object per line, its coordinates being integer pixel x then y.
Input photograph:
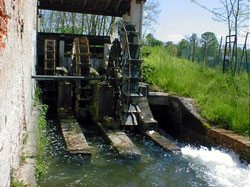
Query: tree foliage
{"type": "Point", "coordinates": [232, 12]}
{"type": "Point", "coordinates": [209, 44]}
{"type": "Point", "coordinates": [151, 14]}
{"type": "Point", "coordinates": [202, 48]}
{"type": "Point", "coordinates": [193, 44]}
{"type": "Point", "coordinates": [182, 48]}
{"type": "Point", "coordinates": [152, 41]}
{"type": "Point", "coordinates": [235, 14]}
{"type": "Point", "coordinates": [64, 22]}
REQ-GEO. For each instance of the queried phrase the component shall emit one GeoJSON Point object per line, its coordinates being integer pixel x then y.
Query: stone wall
{"type": "Point", "coordinates": [180, 117]}
{"type": "Point", "coordinates": [17, 61]}
{"type": "Point", "coordinates": [230, 140]}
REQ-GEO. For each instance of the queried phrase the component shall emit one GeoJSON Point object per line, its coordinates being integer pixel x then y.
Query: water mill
{"type": "Point", "coordinates": [80, 107]}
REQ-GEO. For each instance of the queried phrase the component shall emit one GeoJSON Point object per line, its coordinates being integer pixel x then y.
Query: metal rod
{"type": "Point", "coordinates": [63, 78]}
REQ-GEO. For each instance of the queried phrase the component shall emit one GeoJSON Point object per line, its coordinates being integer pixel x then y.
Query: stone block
{"type": "Point", "coordinates": [159, 98]}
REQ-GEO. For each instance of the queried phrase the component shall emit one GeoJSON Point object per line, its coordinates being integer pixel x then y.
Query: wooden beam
{"type": "Point", "coordinates": [69, 38]}
{"type": "Point", "coordinates": [161, 141]}
{"type": "Point", "coordinates": [74, 3]}
{"type": "Point", "coordinates": [84, 3]}
{"type": "Point", "coordinates": [81, 10]}
{"type": "Point", "coordinates": [96, 3]}
{"type": "Point", "coordinates": [107, 5]}
{"type": "Point", "coordinates": [110, 7]}
{"type": "Point", "coordinates": [121, 143]}
{"type": "Point", "coordinates": [118, 5]}
{"type": "Point", "coordinates": [73, 136]}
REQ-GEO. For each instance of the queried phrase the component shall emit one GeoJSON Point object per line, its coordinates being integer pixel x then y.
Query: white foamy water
{"type": "Point", "coordinates": [218, 167]}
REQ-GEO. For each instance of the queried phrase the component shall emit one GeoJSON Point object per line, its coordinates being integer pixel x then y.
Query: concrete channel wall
{"type": "Point", "coordinates": [181, 118]}
{"type": "Point", "coordinates": [17, 64]}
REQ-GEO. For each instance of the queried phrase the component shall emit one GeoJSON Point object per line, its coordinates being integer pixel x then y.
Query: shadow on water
{"type": "Point", "coordinates": [156, 167]}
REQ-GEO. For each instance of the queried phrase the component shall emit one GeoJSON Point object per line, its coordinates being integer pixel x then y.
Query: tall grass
{"type": "Point", "coordinates": [222, 99]}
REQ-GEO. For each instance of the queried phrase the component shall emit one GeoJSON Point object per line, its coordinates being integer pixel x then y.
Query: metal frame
{"type": "Point", "coordinates": [63, 78]}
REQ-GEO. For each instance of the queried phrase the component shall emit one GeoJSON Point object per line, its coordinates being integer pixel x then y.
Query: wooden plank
{"type": "Point", "coordinates": [107, 4]}
{"type": "Point", "coordinates": [118, 5]}
{"type": "Point", "coordinates": [84, 3]}
{"type": "Point", "coordinates": [121, 143]}
{"type": "Point", "coordinates": [74, 138]}
{"type": "Point", "coordinates": [161, 141]}
{"type": "Point", "coordinates": [74, 3]}
{"type": "Point", "coordinates": [80, 7]}
{"type": "Point", "coordinates": [97, 1]}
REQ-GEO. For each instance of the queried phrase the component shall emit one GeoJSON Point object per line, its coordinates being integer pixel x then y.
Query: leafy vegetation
{"type": "Point", "coordinates": [77, 23]}
{"type": "Point", "coordinates": [204, 48]}
{"type": "Point", "coordinates": [222, 98]}
{"type": "Point", "coordinates": [40, 166]}
{"type": "Point", "coordinates": [15, 181]}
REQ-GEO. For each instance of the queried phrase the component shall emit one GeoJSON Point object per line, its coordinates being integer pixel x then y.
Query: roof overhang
{"type": "Point", "coordinates": [115, 8]}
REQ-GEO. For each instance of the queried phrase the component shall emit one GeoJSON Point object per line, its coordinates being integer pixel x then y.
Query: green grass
{"type": "Point", "coordinates": [223, 99]}
{"type": "Point", "coordinates": [15, 181]}
{"type": "Point", "coordinates": [40, 166]}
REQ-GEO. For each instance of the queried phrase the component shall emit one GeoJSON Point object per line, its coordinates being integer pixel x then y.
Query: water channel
{"type": "Point", "coordinates": [192, 167]}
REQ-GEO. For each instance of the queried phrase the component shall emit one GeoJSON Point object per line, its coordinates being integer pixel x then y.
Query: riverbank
{"type": "Point", "coordinates": [222, 99]}
{"type": "Point", "coordinates": [32, 165]}
{"type": "Point", "coordinates": [25, 175]}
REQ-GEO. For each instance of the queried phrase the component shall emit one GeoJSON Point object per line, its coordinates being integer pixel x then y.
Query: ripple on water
{"type": "Point", "coordinates": [195, 167]}
{"type": "Point", "coordinates": [218, 167]}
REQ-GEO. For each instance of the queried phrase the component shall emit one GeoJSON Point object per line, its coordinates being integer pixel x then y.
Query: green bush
{"type": "Point", "coordinates": [223, 99]}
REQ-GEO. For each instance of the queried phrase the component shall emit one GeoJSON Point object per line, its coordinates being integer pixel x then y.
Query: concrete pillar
{"type": "Point", "coordinates": [136, 14]}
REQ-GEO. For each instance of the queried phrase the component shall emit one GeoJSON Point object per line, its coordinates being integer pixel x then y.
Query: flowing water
{"type": "Point", "coordinates": [192, 167]}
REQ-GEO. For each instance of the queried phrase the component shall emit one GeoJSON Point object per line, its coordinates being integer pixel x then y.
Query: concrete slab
{"type": "Point", "coordinates": [74, 138]}
{"type": "Point", "coordinates": [161, 141]}
{"type": "Point", "coordinates": [121, 142]}
{"type": "Point", "coordinates": [26, 172]}
{"type": "Point", "coordinates": [159, 98]}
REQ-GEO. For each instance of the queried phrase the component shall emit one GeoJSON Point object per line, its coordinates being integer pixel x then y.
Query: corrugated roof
{"type": "Point", "coordinates": [98, 7]}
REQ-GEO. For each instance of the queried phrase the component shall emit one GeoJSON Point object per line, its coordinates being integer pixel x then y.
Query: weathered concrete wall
{"type": "Point", "coordinates": [17, 60]}
{"type": "Point", "coordinates": [230, 140]}
{"type": "Point", "coordinates": [181, 118]}
{"type": "Point", "coordinates": [135, 15]}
